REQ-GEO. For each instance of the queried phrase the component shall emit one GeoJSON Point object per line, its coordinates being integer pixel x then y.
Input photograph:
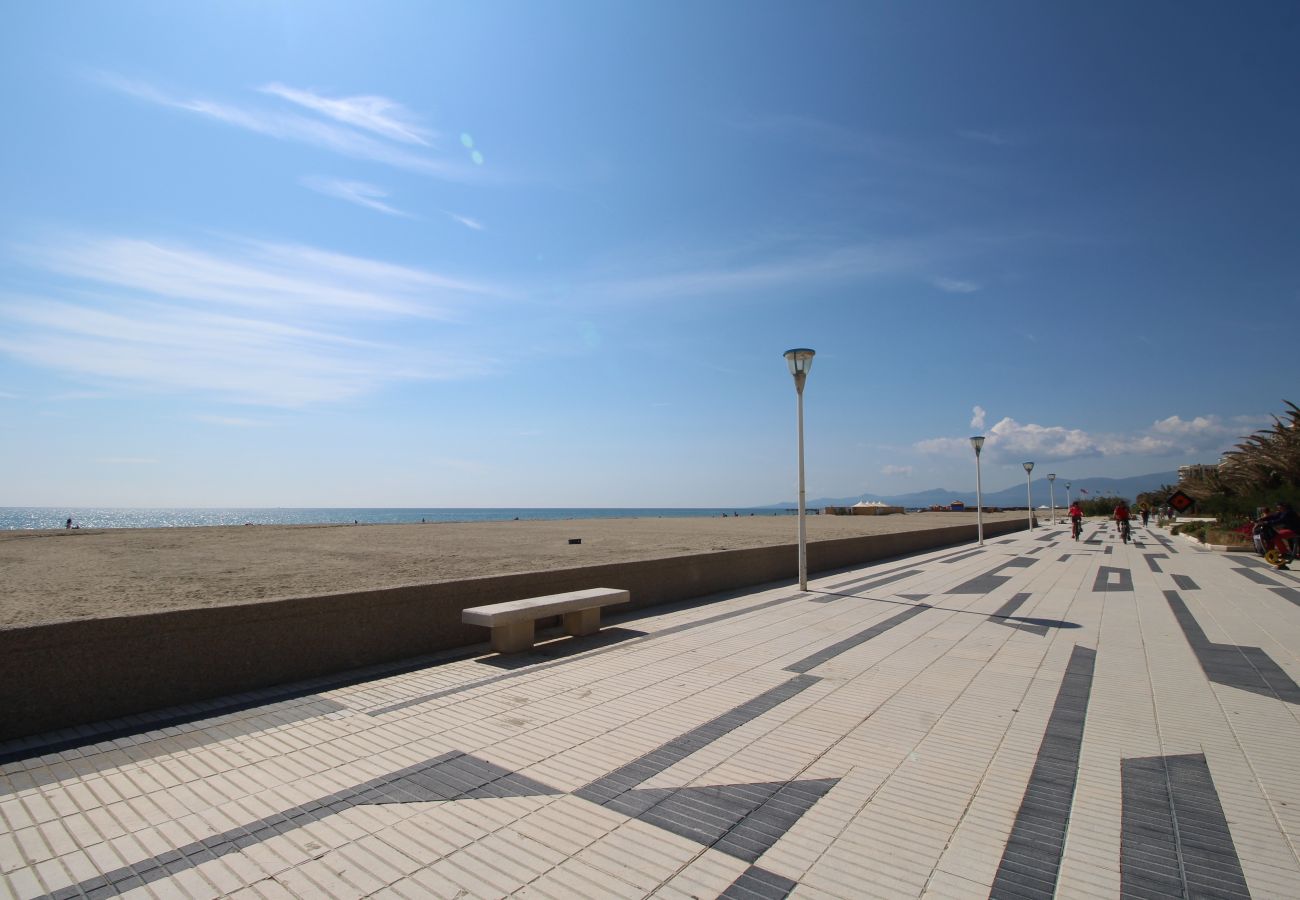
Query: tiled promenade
{"type": "Point", "coordinates": [1038, 717]}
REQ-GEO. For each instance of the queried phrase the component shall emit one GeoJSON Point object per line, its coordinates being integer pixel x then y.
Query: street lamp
{"type": "Point", "coordinates": [1051, 486]}
{"type": "Point", "coordinates": [1068, 504]}
{"type": "Point", "coordinates": [1029, 492]}
{"type": "Point", "coordinates": [800, 362]}
{"type": "Point", "coordinates": [978, 444]}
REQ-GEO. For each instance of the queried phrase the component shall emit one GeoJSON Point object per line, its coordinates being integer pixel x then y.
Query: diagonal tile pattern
{"type": "Point", "coordinates": [1135, 737]}
{"type": "Point", "coordinates": [1247, 668]}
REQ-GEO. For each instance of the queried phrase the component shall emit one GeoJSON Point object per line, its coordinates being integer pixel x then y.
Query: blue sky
{"type": "Point", "coordinates": [525, 254]}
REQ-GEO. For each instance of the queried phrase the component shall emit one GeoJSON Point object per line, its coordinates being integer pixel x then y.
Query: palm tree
{"type": "Point", "coordinates": [1266, 460]}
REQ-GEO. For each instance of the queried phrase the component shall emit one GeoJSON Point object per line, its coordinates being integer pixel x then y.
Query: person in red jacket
{"type": "Point", "coordinates": [1076, 519]}
{"type": "Point", "coordinates": [1121, 516]}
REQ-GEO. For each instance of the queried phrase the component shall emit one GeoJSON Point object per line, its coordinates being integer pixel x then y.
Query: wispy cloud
{"type": "Point", "coordinates": [255, 274]}
{"type": "Point", "coordinates": [378, 114]}
{"type": "Point", "coordinates": [358, 192]}
{"type": "Point", "coordinates": [801, 267]}
{"type": "Point", "coordinates": [282, 325]}
{"type": "Point", "coordinates": [475, 224]}
{"type": "Point", "coordinates": [955, 285]}
{"type": "Point", "coordinates": [286, 126]}
{"type": "Point", "coordinates": [896, 470]}
{"type": "Point", "coordinates": [977, 417]}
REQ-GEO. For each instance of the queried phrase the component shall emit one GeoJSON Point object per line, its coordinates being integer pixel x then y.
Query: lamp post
{"type": "Point", "coordinates": [1068, 504]}
{"type": "Point", "coordinates": [1051, 486]}
{"type": "Point", "coordinates": [1029, 492]}
{"type": "Point", "coordinates": [978, 443]}
{"type": "Point", "coordinates": [800, 362]}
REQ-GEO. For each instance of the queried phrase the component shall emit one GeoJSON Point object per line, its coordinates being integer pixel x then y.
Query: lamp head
{"type": "Point", "coordinates": [1029, 467]}
{"type": "Point", "coordinates": [978, 443]}
{"type": "Point", "coordinates": [800, 361]}
{"type": "Point", "coordinates": [1051, 476]}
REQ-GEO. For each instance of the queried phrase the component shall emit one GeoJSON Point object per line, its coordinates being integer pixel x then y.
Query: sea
{"type": "Point", "coordinates": [37, 517]}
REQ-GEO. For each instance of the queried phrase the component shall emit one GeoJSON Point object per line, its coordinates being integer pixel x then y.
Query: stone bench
{"type": "Point", "coordinates": [512, 622]}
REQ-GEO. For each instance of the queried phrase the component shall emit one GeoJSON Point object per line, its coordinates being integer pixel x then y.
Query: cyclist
{"type": "Point", "coordinates": [1121, 516]}
{"type": "Point", "coordinates": [1282, 520]}
{"type": "Point", "coordinates": [1076, 519]}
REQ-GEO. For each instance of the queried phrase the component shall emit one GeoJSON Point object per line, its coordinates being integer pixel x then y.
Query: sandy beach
{"type": "Point", "coordinates": [56, 575]}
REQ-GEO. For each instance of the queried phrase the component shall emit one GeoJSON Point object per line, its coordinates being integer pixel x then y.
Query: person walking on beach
{"type": "Point", "coordinates": [68, 524]}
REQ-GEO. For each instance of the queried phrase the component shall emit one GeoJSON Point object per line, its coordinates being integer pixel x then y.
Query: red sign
{"type": "Point", "coordinates": [1180, 501]}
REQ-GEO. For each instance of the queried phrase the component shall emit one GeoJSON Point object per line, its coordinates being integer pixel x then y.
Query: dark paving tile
{"type": "Point", "coordinates": [1257, 577]}
{"type": "Point", "coordinates": [1247, 668]}
{"type": "Point", "coordinates": [1032, 859]}
{"type": "Point", "coordinates": [1152, 560]}
{"type": "Point", "coordinates": [834, 650]}
{"type": "Point", "coordinates": [1111, 579]}
{"type": "Point", "coordinates": [758, 884]}
{"type": "Point", "coordinates": [867, 586]}
{"type": "Point", "coordinates": [1288, 594]}
{"type": "Point", "coordinates": [677, 749]}
{"type": "Point", "coordinates": [991, 580]}
{"type": "Point", "coordinates": [1174, 838]}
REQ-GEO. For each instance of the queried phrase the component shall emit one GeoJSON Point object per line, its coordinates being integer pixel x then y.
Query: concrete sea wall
{"type": "Point", "coordinates": [76, 672]}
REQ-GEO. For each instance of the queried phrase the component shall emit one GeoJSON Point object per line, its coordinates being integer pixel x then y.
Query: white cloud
{"type": "Point", "coordinates": [249, 322]}
{"type": "Point", "coordinates": [1009, 440]}
{"type": "Point", "coordinates": [343, 140]}
{"type": "Point", "coordinates": [256, 275]}
{"type": "Point", "coordinates": [1009, 437]}
{"type": "Point", "coordinates": [378, 114]}
{"type": "Point", "coordinates": [977, 417]}
{"type": "Point", "coordinates": [1198, 425]}
{"type": "Point", "coordinates": [474, 224]}
{"type": "Point", "coordinates": [358, 192]}
{"type": "Point", "coordinates": [954, 285]}
{"type": "Point", "coordinates": [896, 470]}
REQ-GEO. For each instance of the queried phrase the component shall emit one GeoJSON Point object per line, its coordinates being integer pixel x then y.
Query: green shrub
{"type": "Point", "coordinates": [1192, 529]}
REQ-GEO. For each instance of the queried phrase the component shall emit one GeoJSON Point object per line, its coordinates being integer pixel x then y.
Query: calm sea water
{"type": "Point", "coordinates": [18, 517]}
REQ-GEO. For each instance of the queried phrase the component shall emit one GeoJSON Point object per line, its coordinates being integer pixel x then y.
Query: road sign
{"type": "Point", "coordinates": [1180, 501]}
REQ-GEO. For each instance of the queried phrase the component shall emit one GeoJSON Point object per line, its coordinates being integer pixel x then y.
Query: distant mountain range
{"type": "Point", "coordinates": [1012, 496]}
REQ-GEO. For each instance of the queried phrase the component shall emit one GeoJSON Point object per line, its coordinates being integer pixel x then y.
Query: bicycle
{"type": "Point", "coordinates": [1125, 533]}
{"type": "Point", "coordinates": [1076, 527]}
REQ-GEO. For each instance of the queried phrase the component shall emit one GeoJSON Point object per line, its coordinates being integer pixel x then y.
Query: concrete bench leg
{"type": "Point", "coordinates": [582, 621]}
{"type": "Point", "coordinates": [512, 638]}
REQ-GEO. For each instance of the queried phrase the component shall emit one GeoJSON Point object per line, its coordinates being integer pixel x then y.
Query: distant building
{"type": "Point", "coordinates": [863, 508]}
{"type": "Point", "coordinates": [1196, 471]}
